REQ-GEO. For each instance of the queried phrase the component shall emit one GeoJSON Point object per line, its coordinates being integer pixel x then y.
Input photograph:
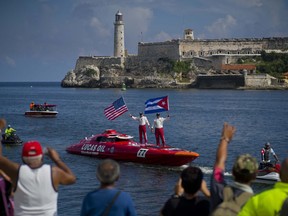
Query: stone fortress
{"type": "Point", "coordinates": [213, 63]}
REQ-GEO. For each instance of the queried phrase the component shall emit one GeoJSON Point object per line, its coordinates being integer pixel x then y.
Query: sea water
{"type": "Point", "coordinates": [197, 117]}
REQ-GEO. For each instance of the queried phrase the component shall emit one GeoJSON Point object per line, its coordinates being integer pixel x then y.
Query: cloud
{"type": "Point", "coordinates": [96, 24]}
{"type": "Point", "coordinates": [83, 10]}
{"type": "Point", "coordinates": [221, 27]}
{"type": "Point", "coordinates": [250, 3]}
{"type": "Point", "coordinates": [137, 22]}
{"type": "Point", "coordinates": [162, 36]}
{"type": "Point", "coordinates": [10, 61]}
{"type": "Point", "coordinates": [138, 18]}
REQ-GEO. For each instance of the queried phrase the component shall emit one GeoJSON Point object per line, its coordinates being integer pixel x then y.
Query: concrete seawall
{"type": "Point", "coordinates": [220, 82]}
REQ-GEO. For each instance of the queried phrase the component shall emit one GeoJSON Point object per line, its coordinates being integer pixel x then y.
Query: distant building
{"type": "Point", "coordinates": [285, 77]}
{"type": "Point", "coordinates": [244, 68]}
{"type": "Point", "coordinates": [187, 48]}
{"type": "Point", "coordinates": [188, 34]}
{"type": "Point", "coordinates": [222, 51]}
{"type": "Point", "coordinates": [147, 68]}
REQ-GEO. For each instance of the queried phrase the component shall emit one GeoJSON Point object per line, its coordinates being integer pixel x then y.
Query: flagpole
{"type": "Point", "coordinates": [167, 111]}
{"type": "Point", "coordinates": [124, 101]}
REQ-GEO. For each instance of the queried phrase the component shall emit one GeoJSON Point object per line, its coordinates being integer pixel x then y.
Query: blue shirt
{"type": "Point", "coordinates": [96, 201]}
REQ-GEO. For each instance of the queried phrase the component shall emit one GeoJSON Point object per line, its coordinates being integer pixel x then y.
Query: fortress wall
{"type": "Point", "coordinates": [203, 62]}
{"type": "Point", "coordinates": [103, 61]}
{"type": "Point", "coordinates": [210, 47]}
{"type": "Point", "coordinates": [169, 49]}
{"type": "Point", "coordinates": [148, 53]}
{"type": "Point", "coordinates": [216, 61]}
{"type": "Point", "coordinates": [132, 61]}
{"type": "Point", "coordinates": [188, 48]}
{"type": "Point", "coordinates": [135, 62]}
{"type": "Point", "coordinates": [276, 43]}
{"type": "Point", "coordinates": [258, 80]}
{"type": "Point", "coordinates": [220, 81]}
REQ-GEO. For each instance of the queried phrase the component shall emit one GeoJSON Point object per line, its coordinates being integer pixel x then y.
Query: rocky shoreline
{"type": "Point", "coordinates": [87, 74]}
{"type": "Point", "coordinates": [274, 87]}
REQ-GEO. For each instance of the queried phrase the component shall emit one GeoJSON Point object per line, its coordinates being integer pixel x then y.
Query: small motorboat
{"type": "Point", "coordinates": [13, 139]}
{"type": "Point", "coordinates": [42, 110]}
{"type": "Point", "coordinates": [114, 145]}
{"type": "Point", "coordinates": [268, 173]}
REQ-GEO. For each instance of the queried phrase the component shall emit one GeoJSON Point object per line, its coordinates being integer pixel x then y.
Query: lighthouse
{"type": "Point", "coordinates": [119, 48]}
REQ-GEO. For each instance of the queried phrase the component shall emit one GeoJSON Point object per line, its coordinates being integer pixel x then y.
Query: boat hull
{"type": "Point", "coordinates": [11, 143]}
{"type": "Point", "coordinates": [131, 151]}
{"type": "Point", "coordinates": [268, 174]}
{"type": "Point", "coordinates": [14, 140]}
{"type": "Point", "coordinates": [268, 178]}
{"type": "Point", "coordinates": [41, 114]}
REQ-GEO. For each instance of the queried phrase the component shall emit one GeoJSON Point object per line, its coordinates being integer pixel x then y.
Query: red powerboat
{"type": "Point", "coordinates": [114, 145]}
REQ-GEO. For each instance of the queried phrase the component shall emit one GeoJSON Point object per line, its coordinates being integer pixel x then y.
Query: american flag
{"type": "Point", "coordinates": [116, 109]}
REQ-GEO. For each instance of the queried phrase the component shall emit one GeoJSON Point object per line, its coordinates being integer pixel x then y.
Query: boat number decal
{"type": "Point", "coordinates": [94, 148]}
{"type": "Point", "coordinates": [142, 153]}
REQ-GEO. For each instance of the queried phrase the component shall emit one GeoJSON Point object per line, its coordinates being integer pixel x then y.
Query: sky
{"type": "Point", "coordinates": [41, 40]}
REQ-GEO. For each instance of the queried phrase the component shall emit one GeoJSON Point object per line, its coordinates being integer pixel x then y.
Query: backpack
{"type": "Point", "coordinates": [231, 204]}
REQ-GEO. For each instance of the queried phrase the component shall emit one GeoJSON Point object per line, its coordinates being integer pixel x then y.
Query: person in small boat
{"type": "Point", "coordinates": [32, 104]}
{"type": "Point", "coordinates": [159, 130]}
{"type": "Point", "coordinates": [266, 153]}
{"type": "Point", "coordinates": [35, 183]}
{"type": "Point", "coordinates": [143, 121]}
{"type": "Point", "coordinates": [9, 132]}
{"type": "Point", "coordinates": [108, 200]}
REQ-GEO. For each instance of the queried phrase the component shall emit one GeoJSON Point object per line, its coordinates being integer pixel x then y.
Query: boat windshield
{"type": "Point", "coordinates": [121, 140]}
{"type": "Point", "coordinates": [110, 139]}
{"type": "Point", "coordinates": [105, 139]}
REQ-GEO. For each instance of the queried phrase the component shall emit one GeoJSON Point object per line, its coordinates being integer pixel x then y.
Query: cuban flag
{"type": "Point", "coordinates": [156, 105]}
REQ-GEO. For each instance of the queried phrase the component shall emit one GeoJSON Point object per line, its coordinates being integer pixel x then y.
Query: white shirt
{"type": "Point", "coordinates": [142, 120]}
{"type": "Point", "coordinates": [158, 122]}
{"type": "Point", "coordinates": [35, 194]}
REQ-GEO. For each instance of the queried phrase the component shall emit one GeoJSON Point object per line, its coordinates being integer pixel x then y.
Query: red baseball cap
{"type": "Point", "coordinates": [31, 149]}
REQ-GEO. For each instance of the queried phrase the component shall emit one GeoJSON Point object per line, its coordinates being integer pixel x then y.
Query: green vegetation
{"type": "Point", "coordinates": [273, 63]}
{"type": "Point", "coordinates": [90, 72]}
{"type": "Point", "coordinates": [182, 67]}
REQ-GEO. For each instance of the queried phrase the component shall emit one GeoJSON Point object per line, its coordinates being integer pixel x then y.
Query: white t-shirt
{"type": "Point", "coordinates": [158, 122]}
{"type": "Point", "coordinates": [142, 120]}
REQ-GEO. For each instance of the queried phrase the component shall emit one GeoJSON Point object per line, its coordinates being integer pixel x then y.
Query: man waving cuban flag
{"type": "Point", "coordinates": [156, 105]}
